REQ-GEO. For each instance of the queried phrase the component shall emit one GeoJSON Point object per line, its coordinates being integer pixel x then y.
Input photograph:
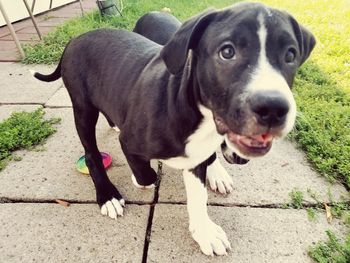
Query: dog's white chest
{"type": "Point", "coordinates": [200, 145]}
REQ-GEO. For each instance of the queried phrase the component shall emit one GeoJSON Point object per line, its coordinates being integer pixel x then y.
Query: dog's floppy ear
{"type": "Point", "coordinates": [174, 53]}
{"type": "Point", "coordinates": [308, 43]}
{"type": "Point", "coordinates": [306, 40]}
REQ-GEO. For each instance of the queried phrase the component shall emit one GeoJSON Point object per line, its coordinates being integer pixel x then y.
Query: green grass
{"type": "Point", "coordinates": [297, 198]}
{"type": "Point", "coordinates": [330, 23]}
{"type": "Point", "coordinates": [323, 125]}
{"type": "Point", "coordinates": [23, 130]}
{"type": "Point", "coordinates": [340, 210]}
{"type": "Point", "coordinates": [321, 89]}
{"type": "Point", "coordinates": [332, 250]}
{"type": "Point", "coordinates": [311, 213]}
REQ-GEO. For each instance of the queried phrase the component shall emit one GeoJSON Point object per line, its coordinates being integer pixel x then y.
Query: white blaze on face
{"type": "Point", "coordinates": [266, 78]}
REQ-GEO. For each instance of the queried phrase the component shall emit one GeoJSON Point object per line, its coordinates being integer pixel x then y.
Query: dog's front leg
{"type": "Point", "coordinates": [210, 237]}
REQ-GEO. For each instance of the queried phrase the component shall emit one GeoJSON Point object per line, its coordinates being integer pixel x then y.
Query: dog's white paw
{"type": "Point", "coordinates": [113, 208]}
{"type": "Point", "coordinates": [133, 179]}
{"type": "Point", "coordinates": [210, 238]}
{"type": "Point", "coordinates": [219, 179]}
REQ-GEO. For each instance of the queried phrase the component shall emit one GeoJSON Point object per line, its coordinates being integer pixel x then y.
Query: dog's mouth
{"type": "Point", "coordinates": [250, 146]}
{"type": "Point", "coordinates": [245, 145]}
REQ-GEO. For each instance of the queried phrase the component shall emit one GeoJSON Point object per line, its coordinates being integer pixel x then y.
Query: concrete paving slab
{"type": "Point", "coordinates": [53, 233]}
{"type": "Point", "coordinates": [50, 174]}
{"type": "Point", "coordinates": [47, 21]}
{"type": "Point", "coordinates": [6, 110]}
{"type": "Point", "coordinates": [266, 180]}
{"type": "Point", "coordinates": [59, 99]}
{"type": "Point", "coordinates": [17, 85]}
{"type": "Point", "coordinates": [257, 235]}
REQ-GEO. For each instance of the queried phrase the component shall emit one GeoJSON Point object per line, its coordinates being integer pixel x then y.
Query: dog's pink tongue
{"type": "Point", "coordinates": [257, 140]}
{"type": "Point", "coordinates": [262, 138]}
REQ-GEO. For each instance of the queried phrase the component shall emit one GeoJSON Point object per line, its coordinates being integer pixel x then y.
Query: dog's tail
{"type": "Point", "coordinates": [48, 78]}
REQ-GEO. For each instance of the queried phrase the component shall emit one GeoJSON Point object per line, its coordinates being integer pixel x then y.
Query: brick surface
{"type": "Point", "coordinates": [22, 37]}
{"type": "Point", "coordinates": [46, 22]}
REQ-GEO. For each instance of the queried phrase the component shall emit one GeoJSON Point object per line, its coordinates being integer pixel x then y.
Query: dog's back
{"type": "Point", "coordinates": [105, 54]}
{"type": "Point", "coordinates": [157, 26]}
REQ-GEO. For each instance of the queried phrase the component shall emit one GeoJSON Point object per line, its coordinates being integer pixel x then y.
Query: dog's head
{"type": "Point", "coordinates": [244, 59]}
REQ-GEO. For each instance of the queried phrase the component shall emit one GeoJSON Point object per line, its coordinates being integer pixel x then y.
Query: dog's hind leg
{"type": "Point", "coordinates": [143, 175]}
{"type": "Point", "coordinates": [111, 124]}
{"type": "Point", "coordinates": [107, 195]}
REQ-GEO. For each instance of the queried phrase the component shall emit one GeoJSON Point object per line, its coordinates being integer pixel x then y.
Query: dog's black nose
{"type": "Point", "coordinates": [270, 107]}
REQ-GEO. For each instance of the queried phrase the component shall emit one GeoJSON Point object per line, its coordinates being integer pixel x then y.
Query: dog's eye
{"type": "Point", "coordinates": [227, 52]}
{"type": "Point", "coordinates": [290, 55]}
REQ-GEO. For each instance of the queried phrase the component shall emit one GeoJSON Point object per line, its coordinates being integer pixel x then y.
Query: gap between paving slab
{"type": "Point", "coordinates": [67, 141]}
{"type": "Point", "coordinates": [6, 110]}
{"type": "Point", "coordinates": [65, 137]}
{"type": "Point", "coordinates": [60, 99]}
{"type": "Point", "coordinates": [256, 235]}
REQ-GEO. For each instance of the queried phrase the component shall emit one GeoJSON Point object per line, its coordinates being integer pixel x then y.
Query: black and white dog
{"type": "Point", "coordinates": [160, 27]}
{"type": "Point", "coordinates": [224, 76]}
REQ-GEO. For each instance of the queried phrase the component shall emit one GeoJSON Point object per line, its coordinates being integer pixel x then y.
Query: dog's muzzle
{"type": "Point", "coordinates": [267, 113]}
{"type": "Point", "coordinates": [245, 145]}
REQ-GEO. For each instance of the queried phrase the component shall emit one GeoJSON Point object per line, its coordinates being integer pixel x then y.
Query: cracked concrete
{"type": "Point", "coordinates": [155, 225]}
